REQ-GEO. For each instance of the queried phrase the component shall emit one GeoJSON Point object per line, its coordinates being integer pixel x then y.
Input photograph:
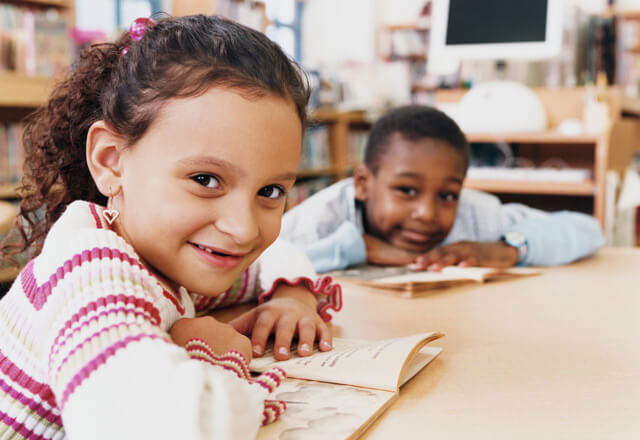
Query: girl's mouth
{"type": "Point", "coordinates": [218, 257]}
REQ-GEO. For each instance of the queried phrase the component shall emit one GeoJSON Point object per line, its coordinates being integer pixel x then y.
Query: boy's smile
{"type": "Point", "coordinates": [203, 191]}
{"type": "Point", "coordinates": [411, 201]}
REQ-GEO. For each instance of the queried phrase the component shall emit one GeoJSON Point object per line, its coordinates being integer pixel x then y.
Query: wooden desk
{"type": "Point", "coordinates": [555, 356]}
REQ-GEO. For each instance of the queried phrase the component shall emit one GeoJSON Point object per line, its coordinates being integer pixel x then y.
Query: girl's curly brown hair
{"type": "Point", "coordinates": [178, 57]}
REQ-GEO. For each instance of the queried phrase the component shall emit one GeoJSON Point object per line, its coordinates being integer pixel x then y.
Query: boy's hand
{"type": "Point", "coordinates": [385, 254]}
{"type": "Point", "coordinates": [221, 337]}
{"type": "Point", "coordinates": [290, 309]}
{"type": "Point", "coordinates": [469, 253]}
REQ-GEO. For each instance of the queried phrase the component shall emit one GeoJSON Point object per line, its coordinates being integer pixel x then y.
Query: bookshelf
{"type": "Point", "coordinates": [611, 150]}
{"type": "Point", "coordinates": [20, 94]}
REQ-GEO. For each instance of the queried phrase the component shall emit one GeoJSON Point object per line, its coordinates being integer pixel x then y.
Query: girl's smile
{"type": "Point", "coordinates": [217, 257]}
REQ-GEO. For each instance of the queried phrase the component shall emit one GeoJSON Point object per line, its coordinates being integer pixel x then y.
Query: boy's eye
{"type": "Point", "coordinates": [272, 192]}
{"type": "Point", "coordinates": [206, 180]}
{"type": "Point", "coordinates": [448, 196]}
{"type": "Point", "coordinates": [408, 190]}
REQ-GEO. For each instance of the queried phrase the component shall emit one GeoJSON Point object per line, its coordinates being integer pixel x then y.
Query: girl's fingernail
{"type": "Point", "coordinates": [283, 351]}
{"type": "Point", "coordinates": [257, 350]}
{"type": "Point", "coordinates": [325, 344]}
{"type": "Point", "coordinates": [305, 347]}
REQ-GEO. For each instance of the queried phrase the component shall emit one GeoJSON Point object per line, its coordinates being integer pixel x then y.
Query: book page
{"type": "Point", "coordinates": [372, 364]}
{"type": "Point", "coordinates": [395, 276]}
{"type": "Point", "coordinates": [318, 410]}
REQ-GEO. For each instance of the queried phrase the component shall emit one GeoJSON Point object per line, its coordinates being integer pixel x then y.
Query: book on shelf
{"type": "Point", "coordinates": [357, 146]}
{"type": "Point", "coordinates": [315, 148]}
{"type": "Point", "coordinates": [306, 188]}
{"type": "Point", "coordinates": [11, 152]}
{"type": "Point", "coordinates": [407, 282]}
{"type": "Point", "coordinates": [338, 394]}
{"type": "Point", "coordinates": [34, 41]}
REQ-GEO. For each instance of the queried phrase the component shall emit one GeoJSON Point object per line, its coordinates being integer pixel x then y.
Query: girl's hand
{"type": "Point", "coordinates": [221, 337]}
{"type": "Point", "coordinates": [384, 254]}
{"type": "Point", "coordinates": [290, 308]}
{"type": "Point", "coordinates": [469, 253]}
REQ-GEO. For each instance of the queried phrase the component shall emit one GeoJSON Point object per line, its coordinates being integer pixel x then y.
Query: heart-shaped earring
{"type": "Point", "coordinates": [110, 215]}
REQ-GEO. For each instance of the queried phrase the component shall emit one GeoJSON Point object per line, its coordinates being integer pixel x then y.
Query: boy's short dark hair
{"type": "Point", "coordinates": [413, 122]}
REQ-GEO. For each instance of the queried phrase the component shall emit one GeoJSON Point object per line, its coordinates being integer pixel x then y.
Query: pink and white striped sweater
{"type": "Point", "coordinates": [85, 351]}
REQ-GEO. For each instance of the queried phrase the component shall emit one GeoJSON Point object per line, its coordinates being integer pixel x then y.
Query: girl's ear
{"type": "Point", "coordinates": [103, 157]}
{"type": "Point", "coordinates": [362, 180]}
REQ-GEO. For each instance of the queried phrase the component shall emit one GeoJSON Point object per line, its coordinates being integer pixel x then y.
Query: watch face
{"type": "Point", "coordinates": [515, 239]}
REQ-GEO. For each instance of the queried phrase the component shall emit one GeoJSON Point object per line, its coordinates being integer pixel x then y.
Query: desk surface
{"type": "Point", "coordinates": [555, 356]}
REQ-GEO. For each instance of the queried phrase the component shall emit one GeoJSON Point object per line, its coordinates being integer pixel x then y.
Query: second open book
{"type": "Point", "coordinates": [336, 395]}
{"type": "Point", "coordinates": [405, 281]}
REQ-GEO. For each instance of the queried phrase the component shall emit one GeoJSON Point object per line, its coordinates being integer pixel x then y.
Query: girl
{"type": "Point", "coordinates": [189, 131]}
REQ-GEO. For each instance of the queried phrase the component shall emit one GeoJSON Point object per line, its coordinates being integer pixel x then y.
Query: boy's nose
{"type": "Point", "coordinates": [425, 211]}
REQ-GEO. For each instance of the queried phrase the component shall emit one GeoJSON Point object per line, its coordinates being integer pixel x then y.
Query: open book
{"type": "Point", "coordinates": [336, 395]}
{"type": "Point", "coordinates": [407, 282]}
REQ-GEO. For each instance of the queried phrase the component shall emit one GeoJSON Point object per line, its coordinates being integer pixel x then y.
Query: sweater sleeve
{"type": "Point", "coordinates": [553, 238]}
{"type": "Point", "coordinates": [343, 248]}
{"type": "Point", "coordinates": [113, 370]}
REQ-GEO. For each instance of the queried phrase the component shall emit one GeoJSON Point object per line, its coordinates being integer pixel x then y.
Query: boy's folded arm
{"type": "Point", "coordinates": [557, 238]}
{"type": "Point", "coordinates": [112, 368]}
{"type": "Point", "coordinates": [343, 248]}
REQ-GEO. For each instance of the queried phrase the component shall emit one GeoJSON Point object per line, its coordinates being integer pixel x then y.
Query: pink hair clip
{"type": "Point", "coordinates": [137, 30]}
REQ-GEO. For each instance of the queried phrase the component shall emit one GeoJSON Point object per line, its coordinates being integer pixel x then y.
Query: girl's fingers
{"type": "Point", "coordinates": [245, 322]}
{"type": "Point", "coordinates": [325, 340]}
{"type": "Point", "coordinates": [306, 336]}
{"type": "Point", "coordinates": [285, 328]}
{"type": "Point", "coordinates": [261, 331]}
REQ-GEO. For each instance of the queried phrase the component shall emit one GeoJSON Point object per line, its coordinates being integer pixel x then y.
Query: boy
{"type": "Point", "coordinates": [406, 204]}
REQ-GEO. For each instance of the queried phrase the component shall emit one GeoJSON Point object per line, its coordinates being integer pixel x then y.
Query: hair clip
{"type": "Point", "coordinates": [137, 30]}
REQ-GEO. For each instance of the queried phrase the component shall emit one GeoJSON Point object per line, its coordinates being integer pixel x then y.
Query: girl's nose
{"type": "Point", "coordinates": [239, 222]}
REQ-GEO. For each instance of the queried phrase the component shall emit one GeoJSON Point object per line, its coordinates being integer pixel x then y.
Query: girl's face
{"type": "Point", "coordinates": [203, 191]}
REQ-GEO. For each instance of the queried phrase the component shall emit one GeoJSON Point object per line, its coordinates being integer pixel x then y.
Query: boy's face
{"type": "Point", "coordinates": [203, 191]}
{"type": "Point", "coordinates": [411, 202]}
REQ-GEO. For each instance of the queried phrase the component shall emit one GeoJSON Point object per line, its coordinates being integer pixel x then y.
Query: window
{"type": "Point", "coordinates": [111, 16]}
{"type": "Point", "coordinates": [285, 26]}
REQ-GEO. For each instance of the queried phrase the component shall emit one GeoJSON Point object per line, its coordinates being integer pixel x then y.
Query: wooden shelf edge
{"type": "Point", "coordinates": [24, 91]}
{"type": "Point", "coordinates": [50, 3]}
{"type": "Point", "coordinates": [9, 191]}
{"type": "Point", "coordinates": [585, 188]}
{"type": "Point", "coordinates": [330, 116]}
{"type": "Point", "coordinates": [547, 137]}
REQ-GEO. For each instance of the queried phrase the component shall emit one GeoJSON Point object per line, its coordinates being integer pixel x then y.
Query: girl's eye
{"type": "Point", "coordinates": [272, 192]}
{"type": "Point", "coordinates": [448, 196]}
{"type": "Point", "coordinates": [206, 180]}
{"type": "Point", "coordinates": [408, 190]}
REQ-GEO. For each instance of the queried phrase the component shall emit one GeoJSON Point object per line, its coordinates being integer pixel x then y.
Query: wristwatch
{"type": "Point", "coordinates": [518, 241]}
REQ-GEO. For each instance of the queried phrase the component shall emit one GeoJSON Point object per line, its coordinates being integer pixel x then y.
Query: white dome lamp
{"type": "Point", "coordinates": [501, 106]}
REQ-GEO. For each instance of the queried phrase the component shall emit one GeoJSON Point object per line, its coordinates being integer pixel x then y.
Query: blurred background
{"type": "Point", "coordinates": [547, 91]}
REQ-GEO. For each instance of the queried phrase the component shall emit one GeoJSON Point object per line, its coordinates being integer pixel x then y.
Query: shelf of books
{"type": "Point", "coordinates": [35, 49]}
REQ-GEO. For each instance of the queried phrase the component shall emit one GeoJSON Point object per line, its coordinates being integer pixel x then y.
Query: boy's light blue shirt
{"type": "Point", "coordinates": [328, 227]}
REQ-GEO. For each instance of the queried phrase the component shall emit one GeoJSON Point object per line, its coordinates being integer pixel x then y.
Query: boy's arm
{"type": "Point", "coordinates": [552, 238]}
{"type": "Point", "coordinates": [343, 248]}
